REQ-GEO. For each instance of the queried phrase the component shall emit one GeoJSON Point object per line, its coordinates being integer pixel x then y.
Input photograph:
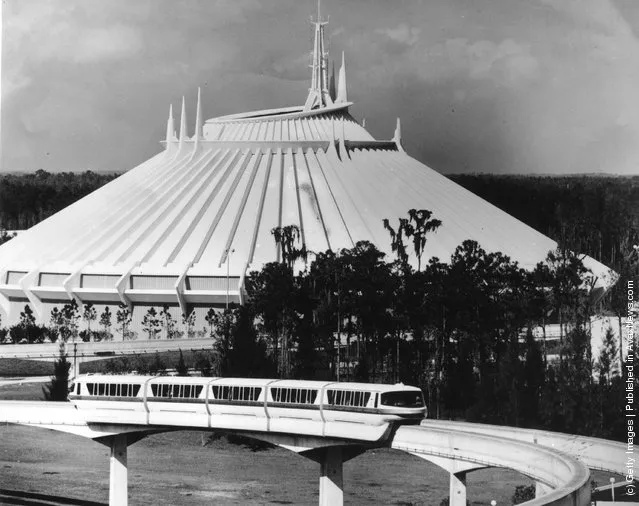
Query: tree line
{"type": "Point", "coordinates": [462, 330]}
{"type": "Point", "coordinates": [28, 198]}
{"type": "Point", "coordinates": [595, 215]}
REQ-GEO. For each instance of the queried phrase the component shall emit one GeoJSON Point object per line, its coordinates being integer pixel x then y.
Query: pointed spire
{"type": "Point", "coordinates": [341, 83]}
{"type": "Point", "coordinates": [183, 133]}
{"type": "Point", "coordinates": [170, 129]}
{"type": "Point", "coordinates": [331, 82]}
{"type": "Point", "coordinates": [198, 119]}
{"type": "Point", "coordinates": [397, 137]}
{"type": "Point", "coordinates": [318, 94]}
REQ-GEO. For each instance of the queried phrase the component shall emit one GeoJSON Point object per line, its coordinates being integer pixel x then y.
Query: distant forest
{"type": "Point", "coordinates": [595, 215]}
{"type": "Point", "coordinates": [28, 198]}
{"type": "Point", "coordinates": [461, 330]}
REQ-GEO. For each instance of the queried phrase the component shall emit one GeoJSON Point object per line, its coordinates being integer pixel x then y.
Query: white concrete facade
{"type": "Point", "coordinates": [185, 227]}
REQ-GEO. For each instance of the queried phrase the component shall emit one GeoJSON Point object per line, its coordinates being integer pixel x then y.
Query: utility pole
{"type": "Point", "coordinates": [339, 332]}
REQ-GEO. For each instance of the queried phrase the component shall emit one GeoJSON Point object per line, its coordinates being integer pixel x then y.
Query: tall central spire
{"type": "Point", "coordinates": [319, 95]}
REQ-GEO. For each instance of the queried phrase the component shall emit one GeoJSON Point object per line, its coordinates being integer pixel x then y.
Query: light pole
{"type": "Point", "coordinates": [228, 263]}
{"type": "Point", "coordinates": [339, 333]}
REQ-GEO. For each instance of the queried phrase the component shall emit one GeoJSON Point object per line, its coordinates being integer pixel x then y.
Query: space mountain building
{"type": "Point", "coordinates": [185, 227]}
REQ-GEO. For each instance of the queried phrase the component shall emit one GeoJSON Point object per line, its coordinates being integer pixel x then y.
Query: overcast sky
{"type": "Point", "coordinates": [504, 86]}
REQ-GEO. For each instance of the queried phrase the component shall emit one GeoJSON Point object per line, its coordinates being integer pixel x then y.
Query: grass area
{"type": "Point", "coordinates": [22, 392]}
{"type": "Point", "coordinates": [168, 358]}
{"type": "Point", "coordinates": [183, 468]}
{"type": "Point", "coordinates": [11, 367]}
{"type": "Point", "coordinates": [191, 468]}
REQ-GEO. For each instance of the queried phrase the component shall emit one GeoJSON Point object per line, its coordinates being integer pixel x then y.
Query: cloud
{"type": "Point", "coordinates": [402, 34]}
{"type": "Point", "coordinates": [507, 62]}
{"type": "Point", "coordinates": [56, 37]}
{"type": "Point", "coordinates": [114, 42]}
{"type": "Point", "coordinates": [39, 33]}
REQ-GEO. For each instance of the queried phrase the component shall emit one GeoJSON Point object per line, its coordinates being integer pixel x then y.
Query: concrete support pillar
{"type": "Point", "coordinates": [76, 367]}
{"type": "Point", "coordinates": [118, 479]}
{"type": "Point", "coordinates": [457, 491]}
{"type": "Point", "coordinates": [331, 488]}
{"type": "Point", "coordinates": [541, 489]}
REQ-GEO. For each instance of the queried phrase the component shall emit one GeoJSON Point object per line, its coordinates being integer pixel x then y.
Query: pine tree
{"type": "Point", "coordinates": [105, 321]}
{"type": "Point", "coordinates": [181, 369]}
{"type": "Point", "coordinates": [58, 389]}
{"type": "Point", "coordinates": [89, 314]}
{"type": "Point", "coordinates": [533, 377]}
{"type": "Point", "coordinates": [150, 323]}
{"type": "Point", "coordinates": [123, 317]}
{"type": "Point", "coordinates": [168, 322]}
{"type": "Point", "coordinates": [210, 319]}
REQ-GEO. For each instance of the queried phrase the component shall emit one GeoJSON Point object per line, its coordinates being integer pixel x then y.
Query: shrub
{"type": "Point", "coordinates": [120, 365]}
{"type": "Point", "coordinates": [50, 334]}
{"type": "Point", "coordinates": [157, 366]}
{"type": "Point", "coordinates": [130, 335]}
{"type": "Point", "coordinates": [523, 493]}
{"type": "Point", "coordinates": [203, 364]}
{"type": "Point", "coordinates": [101, 335]}
{"type": "Point", "coordinates": [140, 365]}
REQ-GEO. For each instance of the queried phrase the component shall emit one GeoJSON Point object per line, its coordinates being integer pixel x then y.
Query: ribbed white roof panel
{"type": "Point", "coordinates": [181, 211]}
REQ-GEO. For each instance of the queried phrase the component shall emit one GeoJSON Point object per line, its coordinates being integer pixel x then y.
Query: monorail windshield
{"type": "Point", "coordinates": [403, 399]}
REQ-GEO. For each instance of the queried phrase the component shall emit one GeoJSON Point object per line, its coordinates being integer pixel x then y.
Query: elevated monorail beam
{"type": "Point", "coordinates": [600, 454]}
{"type": "Point", "coordinates": [566, 480]}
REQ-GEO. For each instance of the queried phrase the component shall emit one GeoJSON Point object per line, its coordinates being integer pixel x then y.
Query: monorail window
{"type": "Point", "coordinates": [294, 395]}
{"type": "Point", "coordinates": [352, 398]}
{"type": "Point", "coordinates": [403, 399]}
{"type": "Point", "coordinates": [112, 389]}
{"type": "Point", "coordinates": [229, 393]}
{"type": "Point", "coordinates": [130, 390]}
{"type": "Point", "coordinates": [176, 391]}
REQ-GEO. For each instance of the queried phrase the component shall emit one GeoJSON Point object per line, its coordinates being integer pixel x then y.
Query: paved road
{"type": "Point", "coordinates": [22, 380]}
{"type": "Point", "coordinates": [101, 350]}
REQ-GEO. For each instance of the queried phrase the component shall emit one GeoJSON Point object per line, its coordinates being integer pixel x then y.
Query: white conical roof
{"type": "Point", "coordinates": [159, 233]}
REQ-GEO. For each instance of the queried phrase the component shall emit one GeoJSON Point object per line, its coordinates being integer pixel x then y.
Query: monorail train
{"type": "Point", "coordinates": [360, 410]}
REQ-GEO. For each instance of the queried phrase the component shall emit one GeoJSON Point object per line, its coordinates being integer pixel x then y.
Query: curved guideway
{"type": "Point", "coordinates": [600, 454]}
{"type": "Point", "coordinates": [457, 446]}
{"type": "Point", "coordinates": [568, 478]}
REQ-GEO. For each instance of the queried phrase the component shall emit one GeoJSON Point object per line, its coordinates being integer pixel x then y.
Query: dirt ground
{"type": "Point", "coordinates": [42, 467]}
